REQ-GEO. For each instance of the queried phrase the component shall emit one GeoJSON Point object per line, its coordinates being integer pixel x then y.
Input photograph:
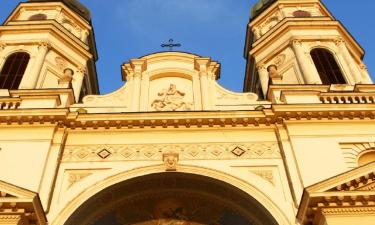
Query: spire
{"type": "Point", "coordinates": [75, 5]}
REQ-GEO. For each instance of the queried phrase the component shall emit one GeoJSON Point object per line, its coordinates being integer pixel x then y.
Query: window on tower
{"type": "Point", "coordinates": [328, 69]}
{"type": "Point", "coordinates": [367, 157]}
{"type": "Point", "coordinates": [39, 16]}
{"type": "Point", "coordinates": [13, 70]}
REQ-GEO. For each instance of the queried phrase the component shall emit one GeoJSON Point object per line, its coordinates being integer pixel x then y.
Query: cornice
{"type": "Point", "coordinates": [50, 26]}
{"type": "Point", "coordinates": [278, 114]}
{"type": "Point", "coordinates": [289, 23]}
{"type": "Point", "coordinates": [48, 5]}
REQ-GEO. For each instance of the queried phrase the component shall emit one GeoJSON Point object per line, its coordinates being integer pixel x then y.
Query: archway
{"type": "Point", "coordinates": [171, 198]}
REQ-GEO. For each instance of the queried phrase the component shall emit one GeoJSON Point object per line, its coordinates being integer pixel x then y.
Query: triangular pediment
{"type": "Point", "coordinates": [20, 201]}
{"type": "Point", "coordinates": [355, 188]}
{"type": "Point", "coordinates": [359, 179]}
{"type": "Point", "coordinates": [11, 191]}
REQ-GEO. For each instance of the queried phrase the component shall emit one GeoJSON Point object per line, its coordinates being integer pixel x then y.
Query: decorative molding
{"type": "Point", "coordinates": [4, 194]}
{"type": "Point", "coordinates": [11, 219]}
{"type": "Point", "coordinates": [154, 152]}
{"type": "Point", "coordinates": [348, 211]}
{"type": "Point", "coordinates": [266, 175]}
{"type": "Point", "coordinates": [296, 42]}
{"type": "Point", "coordinates": [279, 60]}
{"type": "Point", "coordinates": [75, 177]}
{"type": "Point", "coordinates": [2, 45]}
{"type": "Point", "coordinates": [362, 183]}
{"type": "Point", "coordinates": [339, 41]}
{"type": "Point", "coordinates": [81, 69]}
{"type": "Point", "coordinates": [61, 63]}
{"type": "Point", "coordinates": [45, 44]}
{"type": "Point", "coordinates": [351, 152]}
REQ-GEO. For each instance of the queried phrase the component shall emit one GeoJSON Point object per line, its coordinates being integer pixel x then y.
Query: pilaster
{"type": "Point", "coordinates": [365, 73]}
{"type": "Point", "coordinates": [33, 76]}
{"type": "Point", "coordinates": [355, 73]}
{"type": "Point", "coordinates": [138, 66]}
{"type": "Point", "coordinates": [305, 64]}
{"type": "Point", "coordinates": [201, 65]}
{"type": "Point", "coordinates": [78, 77]}
{"type": "Point", "coordinates": [263, 77]}
{"type": "Point", "coordinates": [2, 56]}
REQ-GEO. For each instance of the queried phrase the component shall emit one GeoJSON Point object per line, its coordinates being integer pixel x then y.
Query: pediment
{"type": "Point", "coordinates": [359, 179]}
{"type": "Point", "coordinates": [345, 193]}
{"type": "Point", "coordinates": [11, 191]}
{"type": "Point", "coordinates": [170, 81]}
{"type": "Point", "coordinates": [21, 205]}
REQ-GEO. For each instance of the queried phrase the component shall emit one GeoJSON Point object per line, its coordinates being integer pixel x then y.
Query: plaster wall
{"type": "Point", "coordinates": [23, 155]}
{"type": "Point", "coordinates": [317, 147]}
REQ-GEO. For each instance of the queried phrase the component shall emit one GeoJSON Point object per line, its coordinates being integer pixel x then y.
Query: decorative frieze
{"type": "Point", "coordinates": [155, 152]}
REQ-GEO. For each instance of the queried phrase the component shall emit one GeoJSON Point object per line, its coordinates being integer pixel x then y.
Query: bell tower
{"type": "Point", "coordinates": [299, 45]}
{"type": "Point", "coordinates": [47, 44]}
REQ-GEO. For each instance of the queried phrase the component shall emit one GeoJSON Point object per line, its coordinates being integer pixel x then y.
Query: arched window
{"type": "Point", "coordinates": [301, 14]}
{"type": "Point", "coordinates": [13, 70]}
{"type": "Point", "coordinates": [39, 16]}
{"type": "Point", "coordinates": [328, 69]}
{"type": "Point", "coordinates": [366, 158]}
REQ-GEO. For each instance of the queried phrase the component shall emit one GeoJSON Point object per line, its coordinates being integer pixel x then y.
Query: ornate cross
{"type": "Point", "coordinates": [170, 45]}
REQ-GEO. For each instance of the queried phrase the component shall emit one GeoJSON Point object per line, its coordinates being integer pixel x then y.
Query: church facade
{"type": "Point", "coordinates": [172, 146]}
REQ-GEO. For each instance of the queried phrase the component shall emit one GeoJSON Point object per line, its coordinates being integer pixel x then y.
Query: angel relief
{"type": "Point", "coordinates": [171, 99]}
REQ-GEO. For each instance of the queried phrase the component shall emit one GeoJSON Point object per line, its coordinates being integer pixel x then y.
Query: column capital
{"type": "Point", "coordinates": [45, 45]}
{"type": "Point", "coordinates": [261, 66]}
{"type": "Point", "coordinates": [2, 45]}
{"type": "Point", "coordinates": [138, 65]}
{"type": "Point", "coordinates": [201, 64]}
{"type": "Point", "coordinates": [339, 41]}
{"type": "Point", "coordinates": [81, 70]}
{"type": "Point", "coordinates": [362, 66]}
{"type": "Point", "coordinates": [296, 42]}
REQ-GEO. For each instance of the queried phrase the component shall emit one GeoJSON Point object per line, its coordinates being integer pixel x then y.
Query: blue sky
{"type": "Point", "coordinates": [126, 29]}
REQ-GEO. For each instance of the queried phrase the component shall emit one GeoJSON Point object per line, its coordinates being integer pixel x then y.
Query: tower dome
{"type": "Point", "coordinates": [260, 7]}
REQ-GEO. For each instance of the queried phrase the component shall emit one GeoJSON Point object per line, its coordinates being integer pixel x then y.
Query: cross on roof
{"type": "Point", "coordinates": [170, 45]}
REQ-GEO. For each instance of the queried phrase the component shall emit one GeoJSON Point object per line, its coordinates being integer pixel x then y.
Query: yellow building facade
{"type": "Point", "coordinates": [174, 147]}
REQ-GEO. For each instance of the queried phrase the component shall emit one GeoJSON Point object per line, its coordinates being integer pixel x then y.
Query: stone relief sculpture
{"type": "Point", "coordinates": [171, 99]}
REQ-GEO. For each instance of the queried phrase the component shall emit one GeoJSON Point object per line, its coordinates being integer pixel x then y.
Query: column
{"type": "Point", "coordinates": [2, 57]}
{"type": "Point", "coordinates": [349, 60]}
{"type": "Point", "coordinates": [78, 77]}
{"type": "Point", "coordinates": [136, 91]}
{"type": "Point", "coordinates": [308, 74]}
{"type": "Point", "coordinates": [263, 78]}
{"type": "Point", "coordinates": [201, 65]}
{"type": "Point", "coordinates": [138, 66]}
{"type": "Point", "coordinates": [38, 64]}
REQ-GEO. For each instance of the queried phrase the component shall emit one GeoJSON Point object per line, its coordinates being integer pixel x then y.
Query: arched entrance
{"type": "Point", "coordinates": [171, 198]}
